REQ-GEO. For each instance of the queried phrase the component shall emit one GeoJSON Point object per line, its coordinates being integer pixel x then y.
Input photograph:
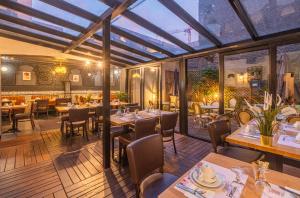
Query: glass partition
{"type": "Point", "coordinates": [134, 80]}
{"type": "Point", "coordinates": [151, 87]}
{"type": "Point", "coordinates": [246, 76]}
{"type": "Point", "coordinates": [170, 86]}
{"type": "Point", "coordinates": [202, 90]}
{"type": "Point", "coordinates": [288, 73]}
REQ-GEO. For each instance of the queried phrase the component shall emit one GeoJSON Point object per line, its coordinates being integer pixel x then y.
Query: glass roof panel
{"type": "Point", "coordinates": [146, 35]}
{"type": "Point", "coordinates": [162, 17]}
{"type": "Point", "coordinates": [91, 40]}
{"type": "Point", "coordinates": [32, 30]}
{"type": "Point", "coordinates": [94, 6]}
{"type": "Point", "coordinates": [218, 17]}
{"type": "Point", "coordinates": [271, 16]}
{"type": "Point", "coordinates": [46, 8]}
{"type": "Point", "coordinates": [38, 21]}
{"type": "Point", "coordinates": [135, 45]}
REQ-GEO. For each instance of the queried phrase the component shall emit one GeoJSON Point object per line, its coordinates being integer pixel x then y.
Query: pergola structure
{"type": "Point", "coordinates": [116, 45]}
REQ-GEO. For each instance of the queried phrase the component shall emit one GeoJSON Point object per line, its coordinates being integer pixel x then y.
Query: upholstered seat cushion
{"type": "Point", "coordinates": [78, 123]}
{"type": "Point", "coordinates": [116, 131]}
{"type": "Point", "coordinates": [125, 139]}
{"type": "Point", "coordinates": [242, 154]}
{"type": "Point", "coordinates": [64, 118]}
{"type": "Point", "coordinates": [155, 184]}
{"type": "Point", "coordinates": [20, 116]}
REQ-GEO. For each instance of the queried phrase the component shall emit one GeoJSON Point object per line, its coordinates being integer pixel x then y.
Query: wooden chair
{"type": "Point", "coordinates": [218, 130]}
{"type": "Point", "coordinates": [78, 118]}
{"type": "Point", "coordinates": [62, 101]}
{"type": "Point", "coordinates": [167, 126]}
{"type": "Point", "coordinates": [292, 119]}
{"type": "Point", "coordinates": [24, 115]}
{"type": "Point", "coordinates": [244, 116]}
{"type": "Point", "coordinates": [142, 128]}
{"type": "Point", "coordinates": [146, 160]}
{"type": "Point", "coordinates": [42, 107]}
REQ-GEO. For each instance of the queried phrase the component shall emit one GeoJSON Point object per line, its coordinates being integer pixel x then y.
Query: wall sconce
{"type": "Point", "coordinates": [242, 78]}
{"type": "Point", "coordinates": [99, 64]}
{"type": "Point", "coordinates": [136, 75]}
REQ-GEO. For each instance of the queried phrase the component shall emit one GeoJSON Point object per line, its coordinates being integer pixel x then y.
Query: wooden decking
{"type": "Point", "coordinates": [45, 165]}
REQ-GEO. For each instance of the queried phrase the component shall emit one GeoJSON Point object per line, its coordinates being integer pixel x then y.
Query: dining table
{"type": "Point", "coordinates": [238, 180]}
{"type": "Point", "coordinates": [283, 145]}
{"type": "Point", "coordinates": [13, 109]}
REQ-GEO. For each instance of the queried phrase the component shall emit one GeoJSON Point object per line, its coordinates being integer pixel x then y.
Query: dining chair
{"type": "Point", "coordinates": [244, 116]}
{"type": "Point", "coordinates": [167, 126]}
{"type": "Point", "coordinates": [199, 116]}
{"type": "Point", "coordinates": [62, 101]}
{"type": "Point", "coordinates": [142, 128]}
{"type": "Point", "coordinates": [78, 118]}
{"type": "Point", "coordinates": [133, 108]}
{"type": "Point", "coordinates": [218, 131]}
{"type": "Point", "coordinates": [24, 115]}
{"type": "Point", "coordinates": [292, 119]}
{"type": "Point", "coordinates": [115, 131]}
{"type": "Point", "coordinates": [42, 106]}
{"type": "Point", "coordinates": [97, 120]}
{"type": "Point", "coordinates": [146, 160]}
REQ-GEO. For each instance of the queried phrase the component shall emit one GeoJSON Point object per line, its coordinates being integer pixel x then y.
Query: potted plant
{"type": "Point", "coordinates": [122, 96]}
{"type": "Point", "coordinates": [266, 118]}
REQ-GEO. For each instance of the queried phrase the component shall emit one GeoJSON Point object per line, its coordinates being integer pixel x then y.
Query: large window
{"type": "Point", "coordinates": [135, 85]}
{"type": "Point", "coordinates": [288, 73]}
{"type": "Point", "coordinates": [151, 87]}
{"type": "Point", "coordinates": [202, 89]}
{"type": "Point", "coordinates": [246, 76]}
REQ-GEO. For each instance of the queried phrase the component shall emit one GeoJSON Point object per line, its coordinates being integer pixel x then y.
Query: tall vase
{"type": "Point", "coordinates": [266, 140]}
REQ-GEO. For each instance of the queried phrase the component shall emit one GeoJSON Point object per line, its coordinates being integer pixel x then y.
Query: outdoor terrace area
{"type": "Point", "coordinates": [150, 98]}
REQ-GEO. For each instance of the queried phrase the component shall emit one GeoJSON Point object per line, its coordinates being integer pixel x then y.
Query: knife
{"type": "Point", "coordinates": [187, 189]}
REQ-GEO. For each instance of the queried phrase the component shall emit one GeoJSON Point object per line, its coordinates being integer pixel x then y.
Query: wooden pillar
{"type": "Point", "coordinates": [183, 113]}
{"type": "Point", "coordinates": [221, 83]}
{"type": "Point", "coordinates": [273, 71]}
{"type": "Point", "coordinates": [106, 92]}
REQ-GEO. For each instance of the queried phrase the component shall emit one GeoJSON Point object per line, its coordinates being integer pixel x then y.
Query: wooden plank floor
{"type": "Point", "coordinates": [50, 166]}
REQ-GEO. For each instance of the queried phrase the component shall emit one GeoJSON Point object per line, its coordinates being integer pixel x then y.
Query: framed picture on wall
{"type": "Point", "coordinates": [75, 78]}
{"type": "Point", "coordinates": [26, 75]}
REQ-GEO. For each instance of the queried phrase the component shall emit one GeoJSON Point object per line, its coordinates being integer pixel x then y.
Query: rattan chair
{"type": "Point", "coordinates": [244, 116]}
{"type": "Point", "coordinates": [292, 119]}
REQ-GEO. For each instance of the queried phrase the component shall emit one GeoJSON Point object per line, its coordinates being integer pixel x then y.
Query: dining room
{"type": "Point", "coordinates": [150, 98]}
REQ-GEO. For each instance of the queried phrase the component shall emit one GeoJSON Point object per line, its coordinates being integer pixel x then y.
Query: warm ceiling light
{"type": "Point", "coordinates": [153, 69]}
{"type": "Point", "coordinates": [89, 74]}
{"type": "Point", "coordinates": [60, 69]}
{"type": "Point", "coordinates": [87, 62]}
{"type": "Point", "coordinates": [4, 69]}
{"type": "Point", "coordinates": [123, 39]}
{"type": "Point", "coordinates": [99, 64]}
{"type": "Point", "coordinates": [136, 75]}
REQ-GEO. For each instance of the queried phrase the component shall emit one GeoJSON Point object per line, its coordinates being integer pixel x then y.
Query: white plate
{"type": "Point", "coordinates": [216, 184]}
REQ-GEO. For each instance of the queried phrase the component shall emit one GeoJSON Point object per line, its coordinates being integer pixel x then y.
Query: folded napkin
{"type": "Point", "coordinates": [228, 177]}
{"type": "Point", "coordinates": [274, 191]}
{"type": "Point", "coordinates": [290, 141]}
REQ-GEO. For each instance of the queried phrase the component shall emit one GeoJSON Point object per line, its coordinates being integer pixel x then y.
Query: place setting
{"type": "Point", "coordinates": [207, 180]}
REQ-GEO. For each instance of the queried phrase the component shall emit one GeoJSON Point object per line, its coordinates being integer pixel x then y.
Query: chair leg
{"type": "Point", "coordinates": [62, 127]}
{"type": "Point", "coordinates": [137, 191]}
{"type": "Point", "coordinates": [32, 123]}
{"type": "Point", "coordinates": [173, 139]}
{"type": "Point", "coordinates": [86, 132]}
{"type": "Point", "coordinates": [113, 147]}
{"type": "Point", "coordinates": [120, 153]}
